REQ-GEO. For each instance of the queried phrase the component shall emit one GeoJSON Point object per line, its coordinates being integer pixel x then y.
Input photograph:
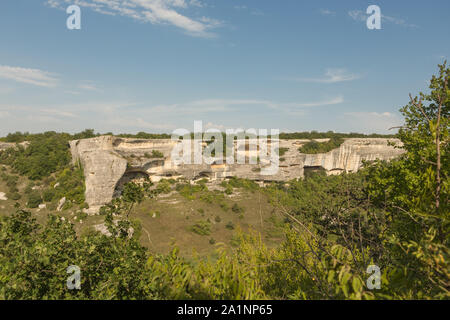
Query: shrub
{"type": "Point", "coordinates": [49, 195]}
{"type": "Point", "coordinates": [224, 206]}
{"type": "Point", "coordinates": [34, 199]}
{"type": "Point", "coordinates": [29, 188]}
{"type": "Point", "coordinates": [282, 151]}
{"type": "Point", "coordinates": [229, 189]}
{"type": "Point", "coordinates": [314, 147]}
{"type": "Point", "coordinates": [202, 228]}
{"type": "Point", "coordinates": [156, 154]}
{"type": "Point", "coordinates": [15, 196]}
{"type": "Point", "coordinates": [237, 209]}
{"type": "Point", "coordinates": [163, 187]}
{"type": "Point", "coordinates": [230, 225]}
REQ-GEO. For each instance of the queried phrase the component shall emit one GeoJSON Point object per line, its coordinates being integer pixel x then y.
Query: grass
{"type": "Point", "coordinates": [191, 225]}
{"type": "Point", "coordinates": [169, 221]}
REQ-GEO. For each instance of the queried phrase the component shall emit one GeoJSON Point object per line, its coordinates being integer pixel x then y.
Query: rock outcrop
{"type": "Point", "coordinates": [109, 162]}
{"type": "Point", "coordinates": [103, 168]}
{"type": "Point", "coordinates": [7, 145]}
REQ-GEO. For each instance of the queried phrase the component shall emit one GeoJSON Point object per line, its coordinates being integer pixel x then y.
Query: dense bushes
{"type": "Point", "coordinates": [34, 199]}
{"type": "Point", "coordinates": [313, 147]}
{"type": "Point", "coordinates": [331, 135]}
{"type": "Point", "coordinates": [45, 154]}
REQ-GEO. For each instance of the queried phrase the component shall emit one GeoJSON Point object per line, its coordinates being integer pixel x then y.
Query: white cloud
{"type": "Point", "coordinates": [257, 12]}
{"type": "Point", "coordinates": [139, 123]}
{"type": "Point", "coordinates": [30, 76]}
{"type": "Point", "coordinates": [60, 113]}
{"type": "Point", "coordinates": [152, 11]}
{"type": "Point", "coordinates": [327, 12]}
{"type": "Point", "coordinates": [88, 85]}
{"type": "Point", "coordinates": [235, 105]}
{"type": "Point", "coordinates": [359, 15]}
{"type": "Point", "coordinates": [332, 76]}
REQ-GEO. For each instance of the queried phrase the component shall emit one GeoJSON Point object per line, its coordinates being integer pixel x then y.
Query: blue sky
{"type": "Point", "coordinates": [158, 65]}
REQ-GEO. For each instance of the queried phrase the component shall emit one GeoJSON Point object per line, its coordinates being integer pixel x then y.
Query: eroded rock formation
{"type": "Point", "coordinates": [109, 162]}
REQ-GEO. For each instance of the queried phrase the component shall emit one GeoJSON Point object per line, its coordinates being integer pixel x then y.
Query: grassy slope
{"type": "Point", "coordinates": [168, 219]}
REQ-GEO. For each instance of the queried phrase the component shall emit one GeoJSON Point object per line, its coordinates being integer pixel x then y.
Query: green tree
{"type": "Point", "coordinates": [414, 191]}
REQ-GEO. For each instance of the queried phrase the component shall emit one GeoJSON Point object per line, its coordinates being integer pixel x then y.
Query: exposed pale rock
{"type": "Point", "coordinates": [7, 145]}
{"type": "Point", "coordinates": [102, 228]}
{"type": "Point", "coordinates": [110, 162]}
{"type": "Point", "coordinates": [103, 168]}
{"type": "Point", "coordinates": [42, 206]}
{"type": "Point", "coordinates": [3, 196]}
{"type": "Point", "coordinates": [61, 203]}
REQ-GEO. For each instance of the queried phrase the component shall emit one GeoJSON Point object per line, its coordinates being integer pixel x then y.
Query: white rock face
{"type": "Point", "coordinates": [42, 206]}
{"type": "Point", "coordinates": [3, 196]}
{"type": "Point", "coordinates": [62, 202]}
{"type": "Point", "coordinates": [103, 168]}
{"type": "Point", "coordinates": [109, 162]}
{"type": "Point", "coordinates": [349, 156]}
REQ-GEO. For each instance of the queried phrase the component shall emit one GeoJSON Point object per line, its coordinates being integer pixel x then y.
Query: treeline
{"type": "Point", "coordinates": [314, 147]}
{"type": "Point", "coordinates": [331, 135]}
{"type": "Point", "coordinates": [18, 136]}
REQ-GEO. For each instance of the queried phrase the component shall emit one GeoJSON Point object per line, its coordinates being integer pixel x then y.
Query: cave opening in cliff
{"type": "Point", "coordinates": [133, 176]}
{"type": "Point", "coordinates": [309, 171]}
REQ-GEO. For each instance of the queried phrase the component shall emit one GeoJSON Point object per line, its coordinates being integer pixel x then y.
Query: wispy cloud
{"type": "Point", "coordinates": [59, 113]}
{"type": "Point", "coordinates": [359, 15]}
{"type": "Point", "coordinates": [253, 12]}
{"type": "Point", "coordinates": [327, 12]}
{"type": "Point", "coordinates": [231, 105]}
{"type": "Point", "coordinates": [88, 85]}
{"type": "Point", "coordinates": [372, 121]}
{"type": "Point", "coordinates": [332, 76]}
{"type": "Point", "coordinates": [152, 11]}
{"type": "Point", "coordinates": [30, 76]}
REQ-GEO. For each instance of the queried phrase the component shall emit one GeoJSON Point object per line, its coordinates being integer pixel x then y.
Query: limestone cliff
{"type": "Point", "coordinates": [109, 162]}
{"type": "Point", "coordinates": [103, 168]}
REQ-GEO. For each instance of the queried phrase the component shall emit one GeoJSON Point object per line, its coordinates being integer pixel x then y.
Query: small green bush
{"type": "Point", "coordinates": [202, 228]}
{"type": "Point", "coordinates": [229, 190]}
{"type": "Point", "coordinates": [34, 199]}
{"type": "Point", "coordinates": [49, 195]}
{"type": "Point", "coordinates": [163, 186]}
{"type": "Point", "coordinates": [237, 209]}
{"type": "Point", "coordinates": [15, 196]}
{"type": "Point", "coordinates": [230, 225]}
{"type": "Point", "coordinates": [224, 206]}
